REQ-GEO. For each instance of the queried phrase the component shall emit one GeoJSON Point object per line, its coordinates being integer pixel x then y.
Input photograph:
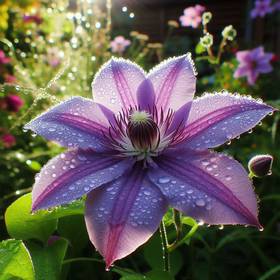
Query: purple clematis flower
{"type": "Point", "coordinates": [252, 63]}
{"type": "Point", "coordinates": [262, 8]}
{"type": "Point", "coordinates": [141, 146]}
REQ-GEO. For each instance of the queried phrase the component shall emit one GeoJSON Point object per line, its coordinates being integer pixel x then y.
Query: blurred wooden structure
{"type": "Point", "coordinates": [151, 17]}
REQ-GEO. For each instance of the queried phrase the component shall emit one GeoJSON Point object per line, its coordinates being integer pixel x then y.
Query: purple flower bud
{"type": "Point", "coordinates": [260, 165]}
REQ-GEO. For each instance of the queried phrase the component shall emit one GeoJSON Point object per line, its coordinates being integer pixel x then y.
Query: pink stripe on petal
{"type": "Point", "coordinates": [115, 85]}
{"type": "Point", "coordinates": [77, 122]}
{"type": "Point", "coordinates": [217, 118]}
{"type": "Point", "coordinates": [123, 215]}
{"type": "Point", "coordinates": [71, 175]}
{"type": "Point", "coordinates": [174, 82]}
{"type": "Point", "coordinates": [210, 187]}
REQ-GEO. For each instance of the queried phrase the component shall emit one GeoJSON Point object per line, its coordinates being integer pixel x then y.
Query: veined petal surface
{"type": "Point", "coordinates": [77, 122]}
{"type": "Point", "coordinates": [115, 85]}
{"type": "Point", "coordinates": [72, 174]}
{"type": "Point", "coordinates": [174, 82]}
{"type": "Point", "coordinates": [210, 187]}
{"type": "Point", "coordinates": [217, 118]}
{"type": "Point", "coordinates": [123, 215]}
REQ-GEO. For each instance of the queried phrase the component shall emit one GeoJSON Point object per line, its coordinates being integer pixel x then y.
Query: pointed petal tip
{"type": "Point", "coordinates": [108, 265]}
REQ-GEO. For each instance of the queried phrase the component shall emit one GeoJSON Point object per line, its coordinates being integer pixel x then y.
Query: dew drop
{"type": "Point", "coordinates": [228, 178]}
{"type": "Point", "coordinates": [205, 162]}
{"type": "Point", "coordinates": [221, 227]}
{"type": "Point", "coordinates": [164, 180]}
{"type": "Point", "coordinates": [147, 193]}
{"type": "Point", "coordinates": [200, 202]}
{"type": "Point", "coordinates": [52, 129]}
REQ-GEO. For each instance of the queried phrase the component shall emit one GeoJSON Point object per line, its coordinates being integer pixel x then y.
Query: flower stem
{"type": "Point", "coordinates": [165, 253]}
{"type": "Point", "coordinates": [177, 223]}
{"type": "Point", "coordinates": [251, 175]}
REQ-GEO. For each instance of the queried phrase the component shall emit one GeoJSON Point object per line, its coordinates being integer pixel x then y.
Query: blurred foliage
{"type": "Point", "coordinates": [55, 48]}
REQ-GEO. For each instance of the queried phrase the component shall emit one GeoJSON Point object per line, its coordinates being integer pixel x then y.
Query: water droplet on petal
{"type": "Point", "coordinates": [228, 178]}
{"type": "Point", "coordinates": [200, 202]}
{"type": "Point", "coordinates": [164, 180]}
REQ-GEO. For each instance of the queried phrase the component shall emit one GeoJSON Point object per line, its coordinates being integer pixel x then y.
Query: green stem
{"type": "Point", "coordinates": [178, 224]}
{"type": "Point", "coordinates": [251, 175]}
{"type": "Point", "coordinates": [165, 253]}
{"type": "Point", "coordinates": [221, 49]}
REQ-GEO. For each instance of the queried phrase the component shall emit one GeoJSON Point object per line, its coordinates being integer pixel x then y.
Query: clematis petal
{"type": "Point", "coordinates": [180, 118]}
{"type": "Point", "coordinates": [116, 84]}
{"type": "Point", "coordinates": [146, 96]}
{"type": "Point", "coordinates": [174, 82]}
{"type": "Point", "coordinates": [208, 186]}
{"type": "Point", "coordinates": [71, 175]}
{"type": "Point", "coordinates": [123, 215]}
{"type": "Point", "coordinates": [77, 122]}
{"type": "Point", "coordinates": [217, 118]}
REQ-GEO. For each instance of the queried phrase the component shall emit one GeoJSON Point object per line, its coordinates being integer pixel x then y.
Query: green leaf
{"type": "Point", "coordinates": [194, 226]}
{"type": "Point", "coordinates": [158, 274]}
{"type": "Point", "coordinates": [47, 260]}
{"type": "Point", "coordinates": [134, 277]}
{"type": "Point", "coordinates": [73, 228]}
{"type": "Point", "coordinates": [21, 224]}
{"type": "Point", "coordinates": [75, 208]}
{"type": "Point", "coordinates": [199, 49]}
{"type": "Point", "coordinates": [15, 261]}
{"type": "Point", "coordinates": [34, 165]}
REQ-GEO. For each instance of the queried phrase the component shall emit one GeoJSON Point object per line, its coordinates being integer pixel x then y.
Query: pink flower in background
{"type": "Point", "coordinates": [119, 44]}
{"type": "Point", "coordinates": [262, 8]}
{"type": "Point", "coordinates": [13, 103]}
{"type": "Point", "coordinates": [252, 63]}
{"type": "Point", "coordinates": [192, 16]}
{"type": "Point", "coordinates": [54, 56]}
{"type": "Point", "coordinates": [3, 58]}
{"type": "Point", "coordinates": [10, 79]}
{"type": "Point", "coordinates": [8, 140]}
{"type": "Point", "coordinates": [32, 18]}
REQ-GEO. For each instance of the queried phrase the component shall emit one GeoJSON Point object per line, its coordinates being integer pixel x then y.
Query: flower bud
{"type": "Point", "coordinates": [229, 33]}
{"type": "Point", "coordinates": [173, 23]}
{"type": "Point", "coordinates": [206, 17]}
{"type": "Point", "coordinates": [206, 41]}
{"type": "Point", "coordinates": [260, 165]}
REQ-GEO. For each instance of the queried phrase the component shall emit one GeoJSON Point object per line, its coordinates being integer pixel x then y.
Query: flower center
{"type": "Point", "coordinates": [143, 131]}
